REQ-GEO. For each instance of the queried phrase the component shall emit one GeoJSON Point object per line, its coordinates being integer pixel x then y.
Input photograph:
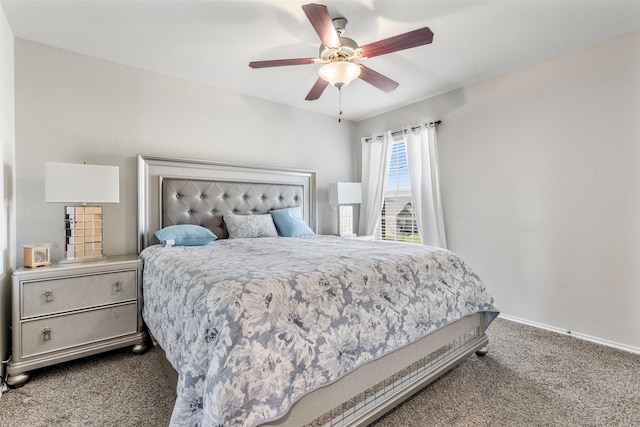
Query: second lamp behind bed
{"type": "Point", "coordinates": [345, 195]}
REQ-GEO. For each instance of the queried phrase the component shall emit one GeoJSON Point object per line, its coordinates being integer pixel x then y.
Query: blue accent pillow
{"type": "Point", "coordinates": [289, 222]}
{"type": "Point", "coordinates": [185, 235]}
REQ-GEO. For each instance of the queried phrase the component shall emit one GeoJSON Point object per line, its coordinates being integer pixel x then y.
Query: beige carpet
{"type": "Point", "coordinates": [530, 377]}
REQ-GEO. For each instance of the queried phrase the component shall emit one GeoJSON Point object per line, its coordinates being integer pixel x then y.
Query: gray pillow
{"type": "Point", "coordinates": [240, 226]}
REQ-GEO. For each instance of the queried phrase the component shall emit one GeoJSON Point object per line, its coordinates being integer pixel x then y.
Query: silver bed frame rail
{"type": "Point", "coordinates": [400, 387]}
{"type": "Point", "coordinates": [375, 388]}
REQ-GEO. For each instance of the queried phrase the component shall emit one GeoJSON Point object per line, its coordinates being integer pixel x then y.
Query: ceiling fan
{"type": "Point", "coordinates": [339, 54]}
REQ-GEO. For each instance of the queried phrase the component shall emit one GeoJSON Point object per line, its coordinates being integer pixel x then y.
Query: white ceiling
{"type": "Point", "coordinates": [213, 41]}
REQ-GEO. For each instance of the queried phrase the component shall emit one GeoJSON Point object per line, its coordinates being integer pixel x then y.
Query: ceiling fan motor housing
{"type": "Point", "coordinates": [348, 50]}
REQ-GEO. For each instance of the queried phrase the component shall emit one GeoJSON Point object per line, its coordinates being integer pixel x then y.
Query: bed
{"type": "Point", "coordinates": [305, 330]}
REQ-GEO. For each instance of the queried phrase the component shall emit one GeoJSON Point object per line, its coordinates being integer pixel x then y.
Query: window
{"type": "Point", "coordinates": [398, 220]}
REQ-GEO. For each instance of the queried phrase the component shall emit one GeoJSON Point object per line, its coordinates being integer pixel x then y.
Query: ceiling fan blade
{"type": "Point", "coordinates": [317, 89]}
{"type": "Point", "coordinates": [320, 19]}
{"type": "Point", "coordinates": [376, 79]}
{"type": "Point", "coordinates": [281, 62]}
{"type": "Point", "coordinates": [408, 40]}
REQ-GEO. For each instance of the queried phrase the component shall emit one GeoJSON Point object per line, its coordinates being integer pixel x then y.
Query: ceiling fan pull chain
{"type": "Point", "coordinates": [340, 103]}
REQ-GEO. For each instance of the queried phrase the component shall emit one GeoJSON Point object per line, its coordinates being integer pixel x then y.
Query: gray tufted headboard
{"type": "Point", "coordinates": [204, 202]}
{"type": "Point", "coordinates": [178, 191]}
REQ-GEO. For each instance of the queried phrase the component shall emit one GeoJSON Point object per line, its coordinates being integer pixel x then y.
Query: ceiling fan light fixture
{"type": "Point", "coordinates": [340, 73]}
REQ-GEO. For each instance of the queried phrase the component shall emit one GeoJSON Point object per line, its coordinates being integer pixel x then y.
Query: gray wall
{"type": "Point", "coordinates": [7, 214]}
{"type": "Point", "coordinates": [75, 108]}
{"type": "Point", "coordinates": [541, 186]}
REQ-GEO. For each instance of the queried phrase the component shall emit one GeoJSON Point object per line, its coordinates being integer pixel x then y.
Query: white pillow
{"type": "Point", "coordinates": [240, 226]}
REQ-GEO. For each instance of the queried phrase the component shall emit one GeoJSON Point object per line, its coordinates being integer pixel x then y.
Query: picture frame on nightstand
{"type": "Point", "coordinates": [37, 255]}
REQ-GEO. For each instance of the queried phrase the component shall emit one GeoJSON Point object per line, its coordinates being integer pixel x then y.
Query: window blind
{"type": "Point", "coordinates": [397, 220]}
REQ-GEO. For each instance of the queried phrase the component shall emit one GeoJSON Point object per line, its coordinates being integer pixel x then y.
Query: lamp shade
{"type": "Point", "coordinates": [340, 73]}
{"type": "Point", "coordinates": [76, 183]}
{"type": "Point", "coordinates": [345, 193]}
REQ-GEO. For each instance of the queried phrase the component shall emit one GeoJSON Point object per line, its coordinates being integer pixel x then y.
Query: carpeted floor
{"type": "Point", "coordinates": [530, 377]}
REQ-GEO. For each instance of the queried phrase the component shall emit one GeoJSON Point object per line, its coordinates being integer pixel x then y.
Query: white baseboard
{"type": "Point", "coordinates": [585, 337]}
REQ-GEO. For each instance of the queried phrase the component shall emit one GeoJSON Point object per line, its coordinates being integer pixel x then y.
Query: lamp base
{"type": "Point", "coordinates": [345, 221]}
{"type": "Point", "coordinates": [84, 232]}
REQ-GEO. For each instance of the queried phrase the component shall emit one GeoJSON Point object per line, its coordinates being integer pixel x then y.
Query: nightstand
{"type": "Point", "coordinates": [67, 311]}
{"type": "Point", "coordinates": [361, 237]}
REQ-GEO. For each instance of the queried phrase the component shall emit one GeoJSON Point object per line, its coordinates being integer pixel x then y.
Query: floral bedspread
{"type": "Point", "coordinates": [252, 325]}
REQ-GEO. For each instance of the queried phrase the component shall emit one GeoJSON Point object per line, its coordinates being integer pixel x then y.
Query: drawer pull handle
{"type": "Point", "coordinates": [46, 334]}
{"type": "Point", "coordinates": [117, 286]}
{"type": "Point", "coordinates": [48, 295]}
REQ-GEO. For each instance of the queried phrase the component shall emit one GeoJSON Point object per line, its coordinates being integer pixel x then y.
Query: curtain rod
{"type": "Point", "coordinates": [398, 132]}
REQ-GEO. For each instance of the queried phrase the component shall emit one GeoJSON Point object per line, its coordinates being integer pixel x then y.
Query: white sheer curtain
{"type": "Point", "coordinates": [376, 153]}
{"type": "Point", "coordinates": [422, 159]}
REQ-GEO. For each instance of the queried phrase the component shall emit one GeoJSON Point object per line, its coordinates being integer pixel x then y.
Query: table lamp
{"type": "Point", "coordinates": [345, 195]}
{"type": "Point", "coordinates": [82, 184]}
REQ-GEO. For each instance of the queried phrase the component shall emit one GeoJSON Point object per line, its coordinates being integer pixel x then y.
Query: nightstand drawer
{"type": "Point", "coordinates": [60, 332]}
{"type": "Point", "coordinates": [74, 293]}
